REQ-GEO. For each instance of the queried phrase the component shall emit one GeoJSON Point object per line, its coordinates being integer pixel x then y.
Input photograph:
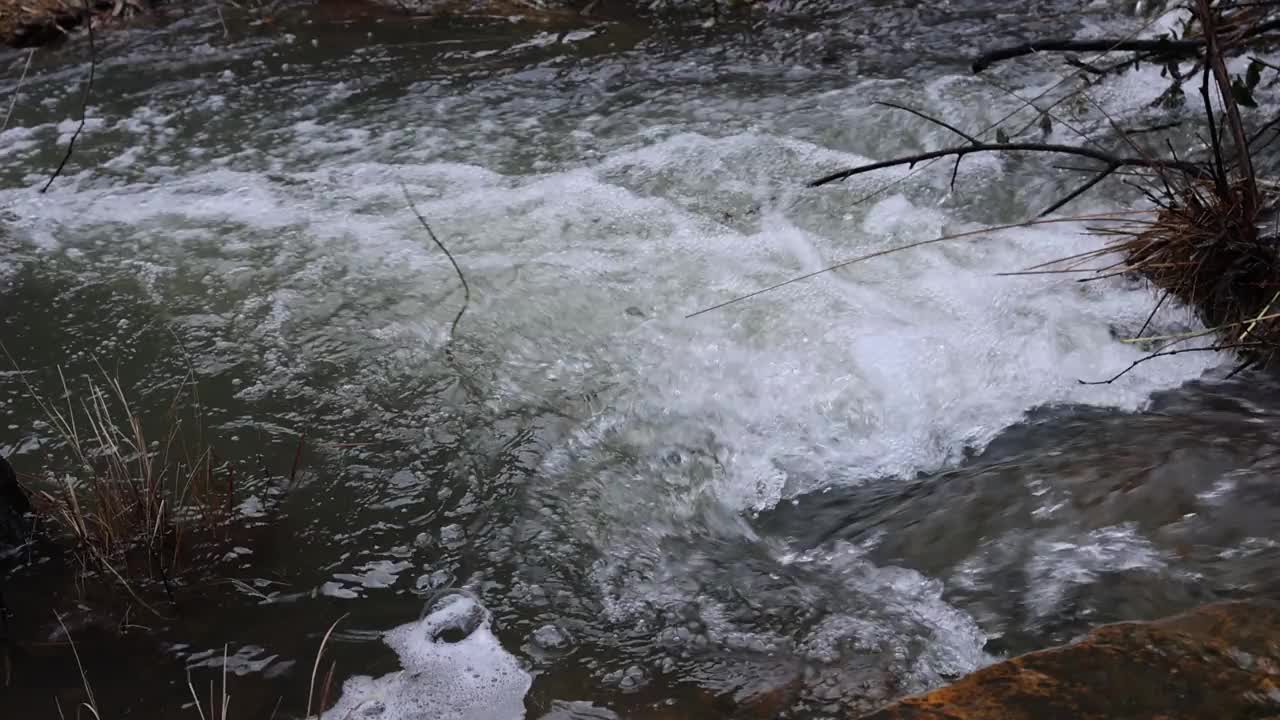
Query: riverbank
{"type": "Point", "coordinates": [34, 23]}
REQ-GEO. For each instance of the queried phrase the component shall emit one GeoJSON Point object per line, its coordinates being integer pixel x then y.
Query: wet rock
{"type": "Point", "coordinates": [550, 637]}
{"type": "Point", "coordinates": [453, 616]}
{"type": "Point", "coordinates": [1219, 661]}
{"type": "Point", "coordinates": [15, 510]}
{"type": "Point", "coordinates": [1079, 516]}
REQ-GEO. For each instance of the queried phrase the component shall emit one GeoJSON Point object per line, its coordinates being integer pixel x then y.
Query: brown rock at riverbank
{"type": "Point", "coordinates": [34, 22]}
{"type": "Point", "coordinates": [1219, 661]}
{"type": "Point", "coordinates": [31, 23]}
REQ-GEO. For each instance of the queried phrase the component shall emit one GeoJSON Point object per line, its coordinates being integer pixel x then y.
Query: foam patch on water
{"type": "Point", "coordinates": [453, 669]}
{"type": "Point", "coordinates": [1057, 566]}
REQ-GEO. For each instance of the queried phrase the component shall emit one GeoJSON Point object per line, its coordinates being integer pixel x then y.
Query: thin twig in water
{"type": "Point", "coordinates": [17, 90]}
{"type": "Point", "coordinates": [1190, 169]}
{"type": "Point", "coordinates": [1151, 316]}
{"type": "Point", "coordinates": [933, 120]}
{"type": "Point", "coordinates": [1164, 353]}
{"type": "Point", "coordinates": [466, 289]}
{"type": "Point", "coordinates": [84, 100]}
{"type": "Point", "coordinates": [889, 251]}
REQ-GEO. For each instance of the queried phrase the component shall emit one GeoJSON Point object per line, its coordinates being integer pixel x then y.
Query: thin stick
{"type": "Point", "coordinates": [1234, 123]}
{"type": "Point", "coordinates": [889, 251]}
{"type": "Point", "coordinates": [933, 120]}
{"type": "Point", "coordinates": [886, 187]}
{"type": "Point", "coordinates": [466, 289]}
{"type": "Point", "coordinates": [1162, 46]}
{"type": "Point", "coordinates": [17, 90]}
{"type": "Point", "coordinates": [1185, 167]}
{"type": "Point", "coordinates": [1164, 353]}
{"type": "Point", "coordinates": [1080, 190]}
{"type": "Point", "coordinates": [84, 101]}
{"type": "Point", "coordinates": [1151, 316]}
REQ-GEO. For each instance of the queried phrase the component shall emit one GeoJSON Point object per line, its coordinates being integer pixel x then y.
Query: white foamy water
{"type": "Point", "coordinates": [465, 676]}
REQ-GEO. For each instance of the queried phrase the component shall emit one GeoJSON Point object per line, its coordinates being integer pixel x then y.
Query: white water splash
{"type": "Point", "coordinates": [464, 676]}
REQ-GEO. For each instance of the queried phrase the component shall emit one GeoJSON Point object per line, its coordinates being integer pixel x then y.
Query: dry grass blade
{"type": "Point", "coordinates": [92, 704]}
{"type": "Point", "coordinates": [315, 668]}
{"type": "Point", "coordinates": [123, 501]}
{"type": "Point", "coordinates": [195, 697]}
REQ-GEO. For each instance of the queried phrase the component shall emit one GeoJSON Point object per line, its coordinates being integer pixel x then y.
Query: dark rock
{"type": "Point", "coordinates": [1219, 661]}
{"type": "Point", "coordinates": [15, 510]}
{"type": "Point", "coordinates": [452, 616]}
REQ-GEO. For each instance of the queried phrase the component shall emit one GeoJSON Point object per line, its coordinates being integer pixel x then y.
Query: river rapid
{"type": "Point", "coordinates": [582, 503]}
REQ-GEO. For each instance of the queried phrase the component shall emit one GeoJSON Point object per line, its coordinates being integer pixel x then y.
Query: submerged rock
{"type": "Point", "coordinates": [15, 510]}
{"type": "Point", "coordinates": [1219, 661]}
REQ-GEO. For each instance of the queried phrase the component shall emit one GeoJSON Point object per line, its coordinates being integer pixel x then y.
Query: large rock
{"type": "Point", "coordinates": [1219, 661]}
{"type": "Point", "coordinates": [15, 510]}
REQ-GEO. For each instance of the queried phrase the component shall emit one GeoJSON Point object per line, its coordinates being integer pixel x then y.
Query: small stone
{"type": "Point", "coordinates": [550, 637]}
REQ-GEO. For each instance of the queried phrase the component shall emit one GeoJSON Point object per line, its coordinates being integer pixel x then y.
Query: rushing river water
{"type": "Point", "coordinates": [807, 503]}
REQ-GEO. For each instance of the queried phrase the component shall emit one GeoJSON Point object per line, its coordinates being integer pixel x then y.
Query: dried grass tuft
{"type": "Point", "coordinates": [133, 509]}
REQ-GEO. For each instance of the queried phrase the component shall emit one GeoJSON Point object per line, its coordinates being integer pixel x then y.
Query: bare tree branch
{"type": "Point", "coordinates": [466, 289]}
{"type": "Point", "coordinates": [1214, 60]}
{"type": "Point", "coordinates": [84, 100]}
{"type": "Point", "coordinates": [1157, 48]}
{"type": "Point", "coordinates": [1081, 190]}
{"type": "Point", "coordinates": [1166, 353]}
{"type": "Point", "coordinates": [973, 140]}
{"type": "Point", "coordinates": [1188, 168]}
{"type": "Point", "coordinates": [1162, 47]}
